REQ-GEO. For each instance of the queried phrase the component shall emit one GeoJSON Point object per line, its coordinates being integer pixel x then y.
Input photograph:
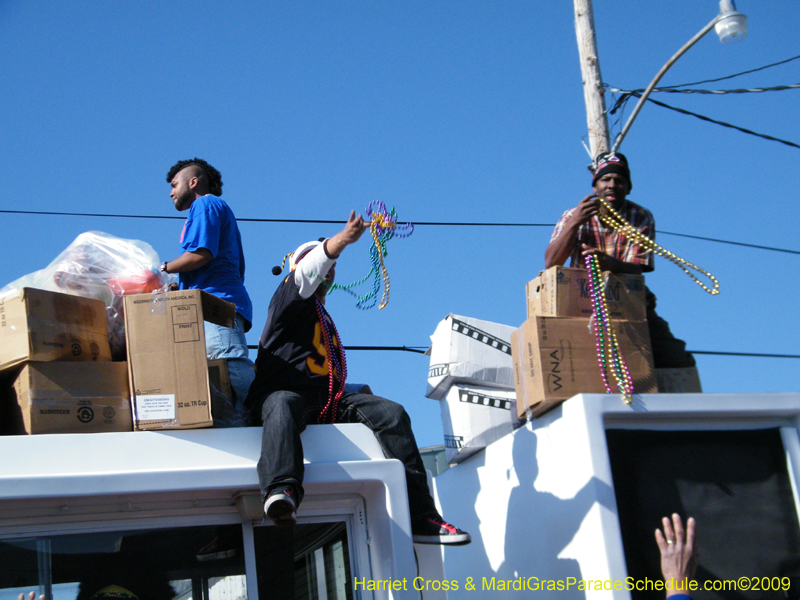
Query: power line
{"type": "Point", "coordinates": [775, 64]}
{"type": "Point", "coordinates": [265, 220]}
{"type": "Point", "coordinates": [414, 349]}
{"type": "Point", "coordinates": [708, 239]}
{"type": "Point", "coordinates": [418, 350]}
{"type": "Point", "coordinates": [671, 90]}
{"type": "Point", "coordinates": [744, 354]}
{"type": "Point", "coordinates": [710, 120]}
{"type": "Point", "coordinates": [782, 62]}
{"type": "Point", "coordinates": [416, 223]}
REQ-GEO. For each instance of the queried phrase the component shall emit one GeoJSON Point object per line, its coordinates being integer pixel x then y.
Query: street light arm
{"type": "Point", "coordinates": [657, 78]}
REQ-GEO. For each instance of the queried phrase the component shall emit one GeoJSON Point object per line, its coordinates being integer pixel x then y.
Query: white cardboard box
{"type": "Point", "coordinates": [467, 350]}
{"type": "Point", "coordinates": [474, 417]}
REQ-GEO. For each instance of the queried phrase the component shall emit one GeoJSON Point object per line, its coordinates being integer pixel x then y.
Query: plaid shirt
{"type": "Point", "coordinates": [597, 235]}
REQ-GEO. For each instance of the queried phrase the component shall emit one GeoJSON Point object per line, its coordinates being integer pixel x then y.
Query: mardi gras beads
{"type": "Point", "coordinates": [383, 227]}
{"type": "Point", "coordinates": [613, 219]}
{"type": "Point", "coordinates": [609, 354]}
{"type": "Point", "coordinates": [337, 365]}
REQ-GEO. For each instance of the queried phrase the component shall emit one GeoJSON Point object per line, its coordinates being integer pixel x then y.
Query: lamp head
{"type": "Point", "coordinates": [731, 26]}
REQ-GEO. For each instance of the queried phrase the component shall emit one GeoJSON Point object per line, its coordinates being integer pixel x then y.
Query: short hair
{"type": "Point", "coordinates": [213, 176]}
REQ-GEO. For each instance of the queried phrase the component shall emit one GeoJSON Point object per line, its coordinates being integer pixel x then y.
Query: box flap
{"type": "Point", "coordinates": [218, 311]}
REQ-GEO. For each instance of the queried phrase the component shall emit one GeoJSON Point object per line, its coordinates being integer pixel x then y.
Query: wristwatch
{"type": "Point", "coordinates": [164, 267]}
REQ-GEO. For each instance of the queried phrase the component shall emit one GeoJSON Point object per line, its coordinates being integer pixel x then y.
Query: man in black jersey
{"type": "Point", "coordinates": [300, 379]}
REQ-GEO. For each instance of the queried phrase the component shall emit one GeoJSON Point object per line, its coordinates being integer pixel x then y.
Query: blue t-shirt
{"type": "Point", "coordinates": [211, 225]}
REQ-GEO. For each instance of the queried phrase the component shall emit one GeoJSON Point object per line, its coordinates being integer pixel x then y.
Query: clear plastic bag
{"type": "Point", "coordinates": [102, 266]}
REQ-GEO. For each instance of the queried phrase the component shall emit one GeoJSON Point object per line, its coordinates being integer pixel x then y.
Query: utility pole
{"type": "Point", "coordinates": [593, 92]}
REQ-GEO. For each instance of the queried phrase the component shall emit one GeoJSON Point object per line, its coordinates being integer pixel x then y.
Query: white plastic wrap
{"type": "Point", "coordinates": [102, 266]}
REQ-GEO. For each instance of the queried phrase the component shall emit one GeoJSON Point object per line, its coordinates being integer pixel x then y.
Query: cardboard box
{"type": "Point", "coordinates": [684, 380]}
{"type": "Point", "coordinates": [474, 417]}
{"type": "Point", "coordinates": [564, 292]}
{"type": "Point", "coordinates": [223, 411]}
{"type": "Point", "coordinates": [466, 350]}
{"type": "Point", "coordinates": [167, 357]}
{"type": "Point", "coordinates": [218, 378]}
{"type": "Point", "coordinates": [555, 359]}
{"type": "Point", "coordinates": [42, 326]}
{"type": "Point", "coordinates": [69, 397]}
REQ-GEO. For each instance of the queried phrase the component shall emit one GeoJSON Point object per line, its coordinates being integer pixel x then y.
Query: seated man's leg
{"type": "Point", "coordinates": [231, 345]}
{"type": "Point", "coordinates": [391, 425]}
{"type": "Point", "coordinates": [280, 468]}
{"type": "Point", "coordinates": [669, 352]}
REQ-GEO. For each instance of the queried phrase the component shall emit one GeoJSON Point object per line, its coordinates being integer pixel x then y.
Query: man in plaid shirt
{"type": "Point", "coordinates": [580, 233]}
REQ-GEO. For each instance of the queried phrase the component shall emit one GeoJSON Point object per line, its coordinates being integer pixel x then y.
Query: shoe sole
{"type": "Point", "coordinates": [443, 540]}
{"type": "Point", "coordinates": [281, 512]}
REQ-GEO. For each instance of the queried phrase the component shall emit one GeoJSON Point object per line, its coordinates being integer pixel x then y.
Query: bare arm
{"type": "Point", "coordinates": [352, 231]}
{"type": "Point", "coordinates": [318, 266]}
{"type": "Point", "coordinates": [189, 261]}
{"type": "Point", "coordinates": [561, 248]}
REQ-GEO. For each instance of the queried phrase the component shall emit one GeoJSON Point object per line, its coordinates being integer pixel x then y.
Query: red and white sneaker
{"type": "Point", "coordinates": [435, 530]}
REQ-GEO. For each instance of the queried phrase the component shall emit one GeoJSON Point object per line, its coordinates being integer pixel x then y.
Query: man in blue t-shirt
{"type": "Point", "coordinates": [213, 261]}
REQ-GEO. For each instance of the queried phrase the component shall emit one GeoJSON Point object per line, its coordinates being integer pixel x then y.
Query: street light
{"type": "Point", "coordinates": [731, 26]}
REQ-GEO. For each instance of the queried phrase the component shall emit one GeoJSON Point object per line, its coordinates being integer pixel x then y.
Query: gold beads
{"type": "Point", "coordinates": [384, 271]}
{"type": "Point", "coordinates": [613, 219]}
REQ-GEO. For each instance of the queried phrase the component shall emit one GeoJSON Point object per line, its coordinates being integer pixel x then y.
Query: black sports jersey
{"type": "Point", "coordinates": [291, 350]}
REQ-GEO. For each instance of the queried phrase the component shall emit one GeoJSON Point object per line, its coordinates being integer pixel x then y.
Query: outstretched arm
{"type": "Point", "coordinates": [317, 268]}
{"type": "Point", "coordinates": [678, 553]}
{"type": "Point", "coordinates": [352, 231]}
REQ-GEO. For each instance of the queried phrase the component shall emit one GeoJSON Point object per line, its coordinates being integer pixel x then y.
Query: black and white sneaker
{"type": "Point", "coordinates": [435, 530]}
{"type": "Point", "coordinates": [281, 505]}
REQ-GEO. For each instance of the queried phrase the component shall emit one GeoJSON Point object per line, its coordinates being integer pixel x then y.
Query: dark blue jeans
{"type": "Point", "coordinates": [285, 415]}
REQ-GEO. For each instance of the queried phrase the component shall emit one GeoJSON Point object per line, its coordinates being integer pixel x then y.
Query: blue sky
{"type": "Point", "coordinates": [449, 112]}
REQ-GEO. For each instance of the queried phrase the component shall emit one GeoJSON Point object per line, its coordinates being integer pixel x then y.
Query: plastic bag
{"type": "Point", "coordinates": [102, 266]}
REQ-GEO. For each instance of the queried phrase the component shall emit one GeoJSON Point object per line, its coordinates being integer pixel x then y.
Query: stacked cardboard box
{"type": "Point", "coordinates": [555, 353]}
{"type": "Point", "coordinates": [37, 325]}
{"type": "Point", "coordinates": [69, 397]}
{"type": "Point", "coordinates": [167, 364]}
{"type": "Point", "coordinates": [55, 361]}
{"type": "Point", "coordinates": [474, 417]}
{"type": "Point", "coordinates": [57, 374]}
{"type": "Point", "coordinates": [471, 373]}
{"type": "Point", "coordinates": [564, 292]}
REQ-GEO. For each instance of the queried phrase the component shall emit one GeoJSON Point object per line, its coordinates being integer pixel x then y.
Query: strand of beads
{"type": "Point", "coordinates": [606, 338]}
{"type": "Point", "coordinates": [380, 250]}
{"type": "Point", "coordinates": [383, 227]}
{"type": "Point", "coordinates": [337, 365]}
{"type": "Point", "coordinates": [614, 220]}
